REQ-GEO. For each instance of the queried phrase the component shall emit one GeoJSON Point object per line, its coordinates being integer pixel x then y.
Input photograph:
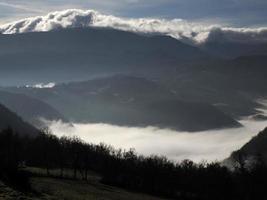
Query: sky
{"type": "Point", "coordinates": [237, 13]}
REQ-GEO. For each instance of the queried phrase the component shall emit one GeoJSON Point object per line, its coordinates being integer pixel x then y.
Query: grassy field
{"type": "Point", "coordinates": [58, 189]}
{"type": "Point", "coordinates": [7, 193]}
{"type": "Point", "coordinates": [51, 188]}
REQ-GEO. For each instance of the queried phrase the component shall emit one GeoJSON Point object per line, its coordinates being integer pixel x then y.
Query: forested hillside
{"type": "Point", "coordinates": [155, 175]}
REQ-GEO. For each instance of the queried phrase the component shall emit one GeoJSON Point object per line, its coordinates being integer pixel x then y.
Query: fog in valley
{"type": "Point", "coordinates": [214, 145]}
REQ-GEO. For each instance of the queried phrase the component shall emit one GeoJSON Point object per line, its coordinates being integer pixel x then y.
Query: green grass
{"type": "Point", "coordinates": [56, 188]}
{"type": "Point", "coordinates": [60, 189]}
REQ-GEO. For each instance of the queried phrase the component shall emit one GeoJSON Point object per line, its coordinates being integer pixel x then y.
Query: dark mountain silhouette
{"type": "Point", "coordinates": [129, 101]}
{"type": "Point", "coordinates": [9, 119]}
{"type": "Point", "coordinates": [32, 110]}
{"type": "Point", "coordinates": [79, 54]}
{"type": "Point", "coordinates": [254, 151]}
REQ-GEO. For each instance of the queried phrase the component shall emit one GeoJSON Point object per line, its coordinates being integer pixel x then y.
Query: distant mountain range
{"type": "Point", "coordinates": [234, 86]}
{"type": "Point", "coordinates": [80, 54]}
{"type": "Point", "coordinates": [162, 81]}
{"type": "Point", "coordinates": [129, 101]}
{"type": "Point", "coordinates": [233, 49]}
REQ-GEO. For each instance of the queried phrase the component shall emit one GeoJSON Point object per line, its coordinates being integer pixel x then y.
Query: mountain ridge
{"type": "Point", "coordinates": [129, 101]}
{"type": "Point", "coordinates": [81, 52]}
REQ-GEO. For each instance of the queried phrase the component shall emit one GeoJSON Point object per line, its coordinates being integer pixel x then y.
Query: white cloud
{"type": "Point", "coordinates": [42, 85]}
{"type": "Point", "coordinates": [208, 145]}
{"type": "Point", "coordinates": [177, 28]}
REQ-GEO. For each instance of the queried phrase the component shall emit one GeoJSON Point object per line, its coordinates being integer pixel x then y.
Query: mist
{"type": "Point", "coordinates": [214, 145]}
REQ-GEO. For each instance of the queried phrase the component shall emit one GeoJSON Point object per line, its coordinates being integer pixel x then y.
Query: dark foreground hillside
{"type": "Point", "coordinates": [61, 189]}
{"type": "Point", "coordinates": [254, 151]}
{"type": "Point", "coordinates": [65, 166]}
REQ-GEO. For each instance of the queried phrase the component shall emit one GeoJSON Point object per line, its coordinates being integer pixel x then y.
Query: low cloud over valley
{"type": "Point", "coordinates": [214, 145]}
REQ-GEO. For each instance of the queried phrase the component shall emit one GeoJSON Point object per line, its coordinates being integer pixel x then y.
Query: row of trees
{"type": "Point", "coordinates": [154, 175]}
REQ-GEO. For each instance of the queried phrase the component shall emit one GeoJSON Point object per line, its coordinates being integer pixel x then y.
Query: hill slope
{"type": "Point", "coordinates": [129, 101]}
{"type": "Point", "coordinates": [253, 151]}
{"type": "Point", "coordinates": [233, 86]}
{"type": "Point", "coordinates": [79, 54]}
{"type": "Point", "coordinates": [10, 119]}
{"type": "Point", "coordinates": [231, 49]}
{"type": "Point", "coordinates": [30, 109]}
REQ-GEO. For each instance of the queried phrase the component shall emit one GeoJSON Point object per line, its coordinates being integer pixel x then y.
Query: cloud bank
{"type": "Point", "coordinates": [180, 29]}
{"type": "Point", "coordinates": [209, 145]}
